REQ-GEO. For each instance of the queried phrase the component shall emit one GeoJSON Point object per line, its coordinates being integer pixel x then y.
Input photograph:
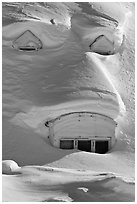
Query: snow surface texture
{"type": "Point", "coordinates": [45, 183]}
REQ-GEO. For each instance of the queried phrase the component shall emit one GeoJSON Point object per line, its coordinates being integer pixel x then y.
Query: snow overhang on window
{"type": "Point", "coordinates": [27, 42]}
{"type": "Point", "coordinates": [102, 45]}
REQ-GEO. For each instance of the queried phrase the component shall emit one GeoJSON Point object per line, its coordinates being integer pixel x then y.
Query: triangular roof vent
{"type": "Point", "coordinates": [27, 42]}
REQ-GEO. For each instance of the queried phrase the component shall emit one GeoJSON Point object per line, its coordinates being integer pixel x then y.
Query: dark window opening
{"type": "Point", "coordinates": [101, 147]}
{"type": "Point", "coordinates": [97, 146]}
{"type": "Point", "coordinates": [27, 49]}
{"type": "Point", "coordinates": [67, 144]}
{"type": "Point", "coordinates": [84, 145]}
{"type": "Point", "coordinates": [52, 21]}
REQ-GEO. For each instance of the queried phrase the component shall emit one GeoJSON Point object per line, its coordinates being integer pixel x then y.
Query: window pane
{"type": "Point", "coordinates": [67, 144]}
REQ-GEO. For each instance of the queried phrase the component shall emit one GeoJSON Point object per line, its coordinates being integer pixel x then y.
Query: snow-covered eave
{"type": "Point", "coordinates": [51, 121]}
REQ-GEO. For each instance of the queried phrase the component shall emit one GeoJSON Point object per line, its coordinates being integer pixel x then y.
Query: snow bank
{"type": "Point", "coordinates": [42, 183]}
{"type": "Point", "coordinates": [37, 183]}
{"type": "Point", "coordinates": [9, 167]}
{"type": "Point", "coordinates": [117, 163]}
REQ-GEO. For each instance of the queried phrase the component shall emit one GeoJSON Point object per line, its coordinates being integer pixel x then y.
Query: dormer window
{"type": "Point", "coordinates": [27, 42]}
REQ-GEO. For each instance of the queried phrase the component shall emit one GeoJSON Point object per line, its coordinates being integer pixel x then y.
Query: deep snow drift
{"type": "Point", "coordinates": [75, 71]}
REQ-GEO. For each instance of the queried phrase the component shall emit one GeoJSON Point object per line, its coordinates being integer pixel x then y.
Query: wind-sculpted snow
{"type": "Point", "coordinates": [43, 183]}
{"type": "Point", "coordinates": [90, 28]}
{"type": "Point", "coordinates": [72, 57]}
